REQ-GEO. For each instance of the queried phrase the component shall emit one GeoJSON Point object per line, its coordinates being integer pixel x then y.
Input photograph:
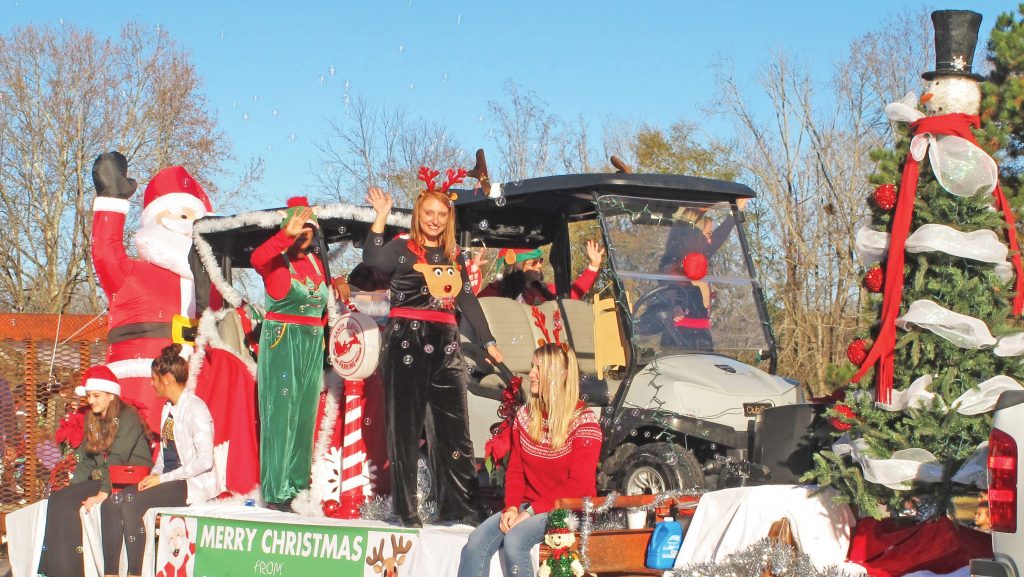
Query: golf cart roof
{"type": "Point", "coordinates": [237, 236]}
{"type": "Point", "coordinates": [535, 208]}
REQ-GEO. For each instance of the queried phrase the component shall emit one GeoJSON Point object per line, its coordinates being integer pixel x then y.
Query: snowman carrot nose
{"type": "Point", "coordinates": [926, 97]}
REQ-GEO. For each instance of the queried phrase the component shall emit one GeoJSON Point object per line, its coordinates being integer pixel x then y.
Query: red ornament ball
{"type": "Point", "coordinates": [845, 411]}
{"type": "Point", "coordinates": [331, 507]}
{"type": "Point", "coordinates": [885, 196]}
{"type": "Point", "coordinates": [874, 279]}
{"type": "Point", "coordinates": [857, 352]}
{"type": "Point", "coordinates": [695, 265]}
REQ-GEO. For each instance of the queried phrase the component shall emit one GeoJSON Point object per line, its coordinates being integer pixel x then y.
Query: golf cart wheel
{"type": "Point", "coordinates": [660, 467]}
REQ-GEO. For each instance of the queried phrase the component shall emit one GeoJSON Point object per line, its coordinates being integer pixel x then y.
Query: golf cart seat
{"type": "Point", "coordinates": [517, 329]}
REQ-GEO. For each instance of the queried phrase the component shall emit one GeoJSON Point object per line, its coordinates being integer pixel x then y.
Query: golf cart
{"type": "Point", "coordinates": [670, 347]}
{"type": "Point", "coordinates": [677, 355]}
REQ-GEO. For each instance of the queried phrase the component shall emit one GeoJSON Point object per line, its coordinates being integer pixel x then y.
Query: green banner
{"type": "Point", "coordinates": [212, 547]}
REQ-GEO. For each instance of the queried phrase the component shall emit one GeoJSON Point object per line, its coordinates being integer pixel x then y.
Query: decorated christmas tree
{"type": "Point", "coordinates": [941, 260]}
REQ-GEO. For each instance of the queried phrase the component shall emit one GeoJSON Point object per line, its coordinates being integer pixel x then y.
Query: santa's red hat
{"type": "Point", "coordinates": [99, 378]}
{"type": "Point", "coordinates": [173, 187]}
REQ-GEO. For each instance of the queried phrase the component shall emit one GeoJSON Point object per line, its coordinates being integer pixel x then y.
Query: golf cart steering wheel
{"type": "Point", "coordinates": [651, 322]}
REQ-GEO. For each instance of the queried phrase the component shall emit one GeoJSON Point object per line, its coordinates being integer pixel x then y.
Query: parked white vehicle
{"type": "Point", "coordinates": [1004, 479]}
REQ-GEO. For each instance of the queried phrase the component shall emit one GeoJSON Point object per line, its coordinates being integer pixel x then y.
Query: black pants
{"type": "Point", "coordinates": [62, 538]}
{"type": "Point", "coordinates": [121, 518]}
{"type": "Point", "coordinates": [425, 382]}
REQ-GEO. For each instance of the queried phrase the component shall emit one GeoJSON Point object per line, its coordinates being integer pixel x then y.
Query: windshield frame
{"type": "Point", "coordinates": [770, 354]}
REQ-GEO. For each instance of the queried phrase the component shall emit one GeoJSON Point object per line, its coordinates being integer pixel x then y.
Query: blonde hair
{"type": "Point", "coordinates": [448, 236]}
{"type": "Point", "coordinates": [559, 376]}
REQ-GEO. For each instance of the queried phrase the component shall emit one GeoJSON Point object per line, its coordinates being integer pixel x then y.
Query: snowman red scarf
{"type": "Point", "coordinates": [882, 350]}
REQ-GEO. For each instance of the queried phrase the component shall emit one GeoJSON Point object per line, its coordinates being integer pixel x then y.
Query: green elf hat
{"type": "Point", "coordinates": [560, 521]}
{"type": "Point", "coordinates": [295, 204]}
{"type": "Point", "coordinates": [513, 255]}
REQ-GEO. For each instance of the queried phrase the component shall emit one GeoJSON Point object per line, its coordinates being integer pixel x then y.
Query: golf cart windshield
{"type": "Point", "coordinates": [687, 282]}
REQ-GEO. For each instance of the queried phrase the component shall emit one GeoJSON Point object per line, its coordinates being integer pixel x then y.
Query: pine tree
{"type": "Point", "coordinates": [962, 285]}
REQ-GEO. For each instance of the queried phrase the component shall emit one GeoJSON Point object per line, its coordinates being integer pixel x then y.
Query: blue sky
{"type": "Point", "coordinates": [275, 71]}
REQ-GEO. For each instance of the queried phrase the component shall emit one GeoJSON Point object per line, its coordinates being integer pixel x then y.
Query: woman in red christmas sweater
{"type": "Point", "coordinates": [556, 442]}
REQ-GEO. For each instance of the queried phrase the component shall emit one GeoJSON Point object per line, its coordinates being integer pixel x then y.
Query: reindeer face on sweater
{"type": "Point", "coordinates": [443, 281]}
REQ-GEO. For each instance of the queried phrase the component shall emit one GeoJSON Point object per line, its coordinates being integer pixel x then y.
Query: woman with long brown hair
{"type": "Point", "coordinates": [556, 442]}
{"type": "Point", "coordinates": [115, 434]}
{"type": "Point", "coordinates": [183, 473]}
{"type": "Point", "coordinates": [421, 362]}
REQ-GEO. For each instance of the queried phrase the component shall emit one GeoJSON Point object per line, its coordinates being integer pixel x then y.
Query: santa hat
{"type": "Point", "coordinates": [173, 187]}
{"type": "Point", "coordinates": [99, 378]}
{"type": "Point", "coordinates": [513, 255]}
{"type": "Point", "coordinates": [295, 204]}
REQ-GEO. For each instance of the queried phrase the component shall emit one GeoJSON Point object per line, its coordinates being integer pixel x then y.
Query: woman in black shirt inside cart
{"type": "Point", "coordinates": [421, 364]}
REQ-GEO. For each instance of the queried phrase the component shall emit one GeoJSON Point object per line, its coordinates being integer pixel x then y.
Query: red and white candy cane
{"type": "Point", "coordinates": [355, 478]}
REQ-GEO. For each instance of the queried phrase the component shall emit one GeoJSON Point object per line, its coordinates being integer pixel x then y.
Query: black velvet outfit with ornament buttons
{"type": "Point", "coordinates": [424, 374]}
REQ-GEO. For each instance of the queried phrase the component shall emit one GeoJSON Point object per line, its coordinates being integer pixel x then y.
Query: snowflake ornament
{"type": "Point", "coordinates": [327, 475]}
{"type": "Point", "coordinates": [959, 63]}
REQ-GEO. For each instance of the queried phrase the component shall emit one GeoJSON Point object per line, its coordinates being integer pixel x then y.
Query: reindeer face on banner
{"type": "Point", "coordinates": [388, 566]}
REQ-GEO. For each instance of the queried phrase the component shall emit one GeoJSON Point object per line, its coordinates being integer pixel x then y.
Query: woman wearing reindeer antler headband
{"type": "Point", "coordinates": [421, 364]}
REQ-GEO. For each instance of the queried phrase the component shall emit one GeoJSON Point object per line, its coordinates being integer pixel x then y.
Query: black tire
{"type": "Point", "coordinates": [610, 468]}
{"type": "Point", "coordinates": [659, 467]}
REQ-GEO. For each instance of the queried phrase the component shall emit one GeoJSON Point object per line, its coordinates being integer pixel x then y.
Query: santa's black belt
{"type": "Point", "coordinates": [176, 332]}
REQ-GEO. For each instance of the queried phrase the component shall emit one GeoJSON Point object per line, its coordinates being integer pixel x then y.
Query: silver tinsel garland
{"type": "Point", "coordinates": [381, 508]}
{"type": "Point", "coordinates": [766, 555]}
{"type": "Point", "coordinates": [586, 524]}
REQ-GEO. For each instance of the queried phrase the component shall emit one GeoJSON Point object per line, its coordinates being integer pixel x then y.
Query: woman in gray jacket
{"type": "Point", "coordinates": [183, 473]}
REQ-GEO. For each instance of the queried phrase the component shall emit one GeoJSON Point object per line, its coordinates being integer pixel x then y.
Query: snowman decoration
{"type": "Point", "coordinates": [560, 538]}
{"type": "Point", "coordinates": [942, 133]}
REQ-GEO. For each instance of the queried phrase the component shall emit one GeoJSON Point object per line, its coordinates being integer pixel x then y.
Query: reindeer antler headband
{"type": "Point", "coordinates": [427, 175]}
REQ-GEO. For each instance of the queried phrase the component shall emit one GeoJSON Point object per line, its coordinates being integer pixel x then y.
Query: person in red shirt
{"type": "Point", "coordinates": [523, 279]}
{"type": "Point", "coordinates": [556, 443]}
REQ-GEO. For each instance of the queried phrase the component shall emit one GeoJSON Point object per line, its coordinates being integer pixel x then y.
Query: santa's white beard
{"type": "Point", "coordinates": [164, 248]}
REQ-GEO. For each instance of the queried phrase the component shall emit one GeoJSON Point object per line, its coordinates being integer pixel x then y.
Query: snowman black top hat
{"type": "Point", "coordinates": [956, 37]}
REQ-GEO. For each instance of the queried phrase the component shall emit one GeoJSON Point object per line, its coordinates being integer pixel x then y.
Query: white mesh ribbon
{"type": "Point", "coordinates": [982, 398]}
{"type": "Point", "coordinates": [916, 396]}
{"type": "Point", "coordinates": [974, 471]}
{"type": "Point", "coordinates": [1010, 346]}
{"type": "Point", "coordinates": [960, 167]}
{"type": "Point", "coordinates": [896, 472]}
{"type": "Point", "coordinates": [964, 331]}
{"type": "Point", "coordinates": [980, 245]}
{"type": "Point", "coordinates": [903, 110]}
{"type": "Point", "coordinates": [872, 245]}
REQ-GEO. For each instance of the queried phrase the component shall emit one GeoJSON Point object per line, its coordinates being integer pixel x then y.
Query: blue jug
{"type": "Point", "coordinates": [665, 544]}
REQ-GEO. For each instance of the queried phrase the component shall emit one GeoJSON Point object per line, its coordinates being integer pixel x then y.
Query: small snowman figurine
{"type": "Point", "coordinates": [560, 537]}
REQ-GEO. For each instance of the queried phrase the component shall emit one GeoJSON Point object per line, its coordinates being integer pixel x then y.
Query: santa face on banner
{"type": "Point", "coordinates": [145, 294]}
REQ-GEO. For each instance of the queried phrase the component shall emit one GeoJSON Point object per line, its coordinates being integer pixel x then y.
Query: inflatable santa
{"type": "Point", "coordinates": [151, 297]}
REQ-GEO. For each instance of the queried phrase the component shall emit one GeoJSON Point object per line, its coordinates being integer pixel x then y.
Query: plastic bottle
{"type": "Point", "coordinates": [665, 543]}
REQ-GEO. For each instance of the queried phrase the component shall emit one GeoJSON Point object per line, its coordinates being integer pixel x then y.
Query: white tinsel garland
{"type": "Point", "coordinates": [269, 219]}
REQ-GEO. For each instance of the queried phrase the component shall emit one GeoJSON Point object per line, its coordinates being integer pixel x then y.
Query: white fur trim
{"type": "Point", "coordinates": [110, 204]}
{"type": "Point", "coordinates": [207, 336]}
{"type": "Point", "coordinates": [102, 385]}
{"type": "Point", "coordinates": [129, 368]}
{"type": "Point", "coordinates": [172, 200]}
